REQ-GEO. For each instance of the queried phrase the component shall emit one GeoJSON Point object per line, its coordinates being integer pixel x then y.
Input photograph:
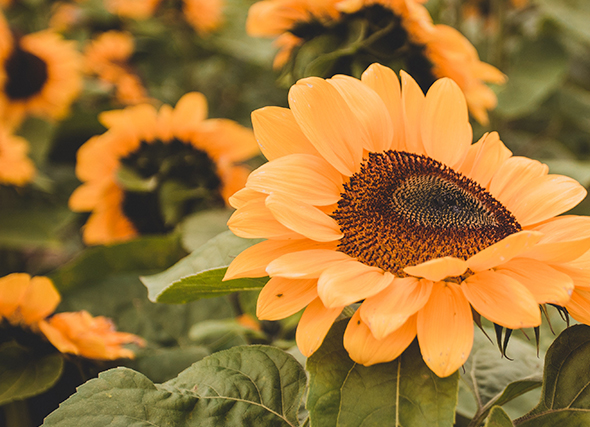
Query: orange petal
{"type": "Point", "coordinates": [190, 110]}
{"type": "Point", "coordinates": [224, 139]}
{"type": "Point", "coordinates": [304, 177]}
{"type": "Point", "coordinates": [12, 291]}
{"type": "Point", "coordinates": [253, 261]}
{"type": "Point", "coordinates": [578, 270]}
{"type": "Point", "coordinates": [513, 174]}
{"type": "Point", "coordinates": [438, 268]}
{"type": "Point", "coordinates": [254, 220]}
{"type": "Point", "coordinates": [243, 196]}
{"type": "Point", "coordinates": [363, 348]}
{"type": "Point", "coordinates": [313, 326]}
{"type": "Point", "coordinates": [370, 111]}
{"type": "Point", "coordinates": [545, 283]}
{"type": "Point", "coordinates": [388, 310]}
{"type": "Point", "coordinates": [504, 250]}
{"type": "Point", "coordinates": [306, 264]}
{"type": "Point", "coordinates": [303, 218]}
{"type": "Point", "coordinates": [502, 300]}
{"type": "Point", "coordinates": [484, 158]}
{"type": "Point", "coordinates": [545, 198]}
{"type": "Point", "coordinates": [565, 239]}
{"type": "Point", "coordinates": [351, 281]}
{"type": "Point", "coordinates": [278, 134]}
{"type": "Point", "coordinates": [384, 81]}
{"type": "Point", "coordinates": [445, 329]}
{"type": "Point", "coordinates": [328, 122]}
{"type": "Point", "coordinates": [281, 297]}
{"type": "Point", "coordinates": [446, 132]}
{"type": "Point", "coordinates": [579, 306]}
{"type": "Point", "coordinates": [40, 300]}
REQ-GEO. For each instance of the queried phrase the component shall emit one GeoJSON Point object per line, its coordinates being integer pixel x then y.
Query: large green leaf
{"type": "Point", "coordinates": [25, 374]}
{"type": "Point", "coordinates": [528, 83]}
{"type": "Point", "coordinates": [498, 418]}
{"type": "Point", "coordinates": [565, 398]}
{"type": "Point", "coordinates": [243, 386]}
{"type": "Point", "coordinates": [146, 254]}
{"type": "Point", "coordinates": [200, 274]}
{"type": "Point", "coordinates": [35, 225]}
{"type": "Point", "coordinates": [404, 392]}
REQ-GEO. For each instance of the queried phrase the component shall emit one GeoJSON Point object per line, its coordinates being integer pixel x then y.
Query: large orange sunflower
{"type": "Point", "coordinates": [375, 194]}
{"type": "Point", "coordinates": [151, 161]}
{"type": "Point", "coordinates": [40, 74]}
{"type": "Point", "coordinates": [393, 31]}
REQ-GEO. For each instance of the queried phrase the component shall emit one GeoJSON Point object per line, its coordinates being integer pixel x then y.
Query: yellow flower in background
{"type": "Point", "coordinates": [91, 337]}
{"type": "Point", "coordinates": [147, 155]}
{"type": "Point", "coordinates": [375, 194]}
{"type": "Point", "coordinates": [399, 29]}
{"type": "Point", "coordinates": [15, 167]}
{"type": "Point", "coordinates": [205, 16]}
{"type": "Point", "coordinates": [28, 302]}
{"type": "Point", "coordinates": [108, 57]}
{"type": "Point", "coordinates": [40, 75]}
{"type": "Point", "coordinates": [135, 9]}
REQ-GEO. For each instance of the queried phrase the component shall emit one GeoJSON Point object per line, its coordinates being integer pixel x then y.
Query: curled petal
{"type": "Point", "coordinates": [365, 349]}
{"type": "Point", "coordinates": [314, 325]}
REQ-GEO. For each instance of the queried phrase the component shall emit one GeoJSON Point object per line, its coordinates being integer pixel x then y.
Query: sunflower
{"type": "Point", "coordinates": [108, 58]}
{"type": "Point", "coordinates": [350, 34]}
{"type": "Point", "coordinates": [27, 302]}
{"type": "Point", "coordinates": [15, 167]}
{"type": "Point", "coordinates": [134, 9]}
{"type": "Point", "coordinates": [40, 75]}
{"type": "Point", "coordinates": [375, 195]}
{"type": "Point", "coordinates": [151, 168]}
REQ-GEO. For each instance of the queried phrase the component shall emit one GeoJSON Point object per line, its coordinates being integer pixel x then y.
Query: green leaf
{"type": "Point", "coordinates": [404, 392]}
{"type": "Point", "coordinates": [572, 15]}
{"type": "Point", "coordinates": [32, 226]}
{"type": "Point", "coordinates": [25, 374]}
{"type": "Point", "coordinates": [145, 254]}
{"type": "Point", "coordinates": [565, 398]}
{"type": "Point", "coordinates": [221, 334]}
{"type": "Point", "coordinates": [200, 274]}
{"type": "Point", "coordinates": [498, 418]}
{"type": "Point", "coordinates": [162, 364]}
{"type": "Point", "coordinates": [528, 83]}
{"type": "Point", "coordinates": [243, 386]}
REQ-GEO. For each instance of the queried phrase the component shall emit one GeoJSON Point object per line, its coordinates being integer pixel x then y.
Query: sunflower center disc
{"type": "Point", "coordinates": [184, 180]}
{"type": "Point", "coordinates": [26, 74]}
{"type": "Point", "coordinates": [403, 209]}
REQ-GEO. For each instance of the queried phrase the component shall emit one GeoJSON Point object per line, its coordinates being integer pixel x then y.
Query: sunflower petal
{"type": "Point", "coordinates": [254, 220]}
{"type": "Point", "coordinates": [304, 177]}
{"type": "Point", "coordinates": [351, 281]}
{"type": "Point", "coordinates": [445, 329]}
{"type": "Point", "coordinates": [278, 134]}
{"type": "Point", "coordinates": [365, 349]}
{"type": "Point", "coordinates": [502, 300]}
{"type": "Point", "coordinates": [303, 218]}
{"type": "Point", "coordinates": [12, 291]}
{"type": "Point", "coordinates": [438, 268]}
{"type": "Point", "coordinates": [446, 132]}
{"type": "Point", "coordinates": [328, 122]}
{"type": "Point", "coordinates": [306, 264]}
{"type": "Point", "coordinates": [388, 310]}
{"type": "Point", "coordinates": [484, 158]}
{"type": "Point", "coordinates": [282, 297]}
{"type": "Point", "coordinates": [314, 325]}
{"type": "Point", "coordinates": [40, 300]}
{"type": "Point", "coordinates": [579, 306]}
{"type": "Point", "coordinates": [413, 102]}
{"type": "Point", "coordinates": [565, 239]}
{"type": "Point", "coordinates": [545, 283]}
{"type": "Point", "coordinates": [504, 250]}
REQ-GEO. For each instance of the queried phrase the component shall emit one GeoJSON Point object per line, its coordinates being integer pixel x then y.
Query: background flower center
{"type": "Point", "coordinates": [25, 74]}
{"type": "Point", "coordinates": [403, 209]}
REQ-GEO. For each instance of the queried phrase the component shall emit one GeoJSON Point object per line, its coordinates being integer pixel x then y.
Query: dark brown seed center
{"type": "Point", "coordinates": [403, 209]}
{"type": "Point", "coordinates": [26, 74]}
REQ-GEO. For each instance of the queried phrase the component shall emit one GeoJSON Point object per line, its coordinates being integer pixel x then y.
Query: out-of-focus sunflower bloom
{"type": "Point", "coordinates": [134, 9]}
{"type": "Point", "coordinates": [65, 16]}
{"type": "Point", "coordinates": [40, 74]}
{"type": "Point", "coordinates": [28, 302]}
{"type": "Point", "coordinates": [108, 57]}
{"type": "Point", "coordinates": [351, 34]}
{"type": "Point", "coordinates": [152, 168]}
{"type": "Point", "coordinates": [375, 194]}
{"type": "Point", "coordinates": [15, 166]}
